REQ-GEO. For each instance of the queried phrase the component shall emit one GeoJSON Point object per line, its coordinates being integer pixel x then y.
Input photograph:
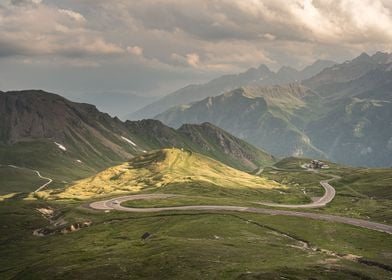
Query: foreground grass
{"type": "Point", "coordinates": [183, 201]}
{"type": "Point", "coordinates": [204, 245]}
{"type": "Point", "coordinates": [184, 245]}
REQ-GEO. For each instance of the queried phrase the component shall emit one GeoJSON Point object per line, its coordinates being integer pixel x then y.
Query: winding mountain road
{"type": "Point", "coordinates": [49, 180]}
{"type": "Point", "coordinates": [115, 204]}
{"type": "Point", "coordinates": [321, 202]}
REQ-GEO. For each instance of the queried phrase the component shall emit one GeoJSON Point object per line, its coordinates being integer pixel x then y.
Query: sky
{"type": "Point", "coordinates": [152, 47]}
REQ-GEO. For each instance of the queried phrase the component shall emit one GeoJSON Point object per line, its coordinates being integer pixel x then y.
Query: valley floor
{"type": "Point", "coordinates": [66, 239]}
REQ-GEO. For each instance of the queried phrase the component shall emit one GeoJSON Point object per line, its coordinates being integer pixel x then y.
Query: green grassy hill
{"type": "Point", "coordinates": [159, 171]}
{"type": "Point", "coordinates": [206, 139]}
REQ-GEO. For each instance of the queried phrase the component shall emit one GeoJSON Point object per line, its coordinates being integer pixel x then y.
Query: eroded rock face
{"type": "Point", "coordinates": [46, 212]}
{"type": "Point", "coordinates": [42, 232]}
{"type": "Point", "coordinates": [61, 229]}
{"type": "Point", "coordinates": [57, 224]}
{"type": "Point", "coordinates": [75, 227]}
{"type": "Point", "coordinates": [230, 145]}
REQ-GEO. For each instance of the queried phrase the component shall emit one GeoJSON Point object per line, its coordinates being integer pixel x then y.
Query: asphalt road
{"type": "Point", "coordinates": [321, 202]}
{"type": "Point", "coordinates": [115, 204]}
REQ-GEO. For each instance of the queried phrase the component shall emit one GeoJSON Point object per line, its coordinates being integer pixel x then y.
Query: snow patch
{"type": "Point", "coordinates": [78, 160]}
{"type": "Point", "coordinates": [129, 141]}
{"type": "Point", "coordinates": [61, 147]}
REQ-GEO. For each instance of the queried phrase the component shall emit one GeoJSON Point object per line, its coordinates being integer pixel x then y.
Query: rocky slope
{"type": "Point", "coordinates": [205, 139]}
{"type": "Point", "coordinates": [38, 127]}
{"type": "Point", "coordinates": [67, 140]}
{"type": "Point", "coordinates": [356, 127]}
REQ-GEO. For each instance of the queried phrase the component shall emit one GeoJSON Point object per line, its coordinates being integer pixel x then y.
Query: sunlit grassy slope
{"type": "Point", "coordinates": [158, 169]}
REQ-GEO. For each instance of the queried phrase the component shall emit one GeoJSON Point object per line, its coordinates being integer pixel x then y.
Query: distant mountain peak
{"type": "Point", "coordinates": [263, 68]}
{"type": "Point", "coordinates": [382, 57]}
{"type": "Point", "coordinates": [362, 57]}
{"type": "Point", "coordinates": [262, 76]}
{"type": "Point", "coordinates": [287, 69]}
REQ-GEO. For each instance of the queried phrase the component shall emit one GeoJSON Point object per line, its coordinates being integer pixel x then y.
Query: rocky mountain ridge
{"type": "Point", "coordinates": [261, 76]}
{"type": "Point", "coordinates": [341, 114]}
{"type": "Point", "coordinates": [67, 140]}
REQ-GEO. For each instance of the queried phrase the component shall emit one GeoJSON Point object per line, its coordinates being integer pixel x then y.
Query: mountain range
{"type": "Point", "coordinates": [341, 113]}
{"type": "Point", "coordinates": [69, 140]}
{"type": "Point", "coordinates": [263, 116]}
{"type": "Point", "coordinates": [261, 76]}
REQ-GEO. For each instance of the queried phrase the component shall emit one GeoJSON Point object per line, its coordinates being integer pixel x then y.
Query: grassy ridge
{"type": "Point", "coordinates": [159, 169]}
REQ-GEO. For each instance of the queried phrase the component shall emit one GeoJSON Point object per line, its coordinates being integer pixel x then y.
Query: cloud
{"type": "Point", "coordinates": [25, 2]}
{"type": "Point", "coordinates": [73, 15]}
{"type": "Point", "coordinates": [37, 30]}
{"type": "Point", "coordinates": [102, 28]}
{"type": "Point", "coordinates": [193, 59]}
{"type": "Point", "coordinates": [171, 29]}
{"type": "Point", "coordinates": [199, 39]}
{"type": "Point", "coordinates": [135, 50]}
{"type": "Point", "coordinates": [318, 20]}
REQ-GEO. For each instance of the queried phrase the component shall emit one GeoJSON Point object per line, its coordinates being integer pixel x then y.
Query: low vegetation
{"type": "Point", "coordinates": [160, 169]}
{"type": "Point", "coordinates": [199, 245]}
{"type": "Point", "coordinates": [18, 180]}
{"type": "Point", "coordinates": [360, 193]}
{"type": "Point", "coordinates": [185, 245]}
